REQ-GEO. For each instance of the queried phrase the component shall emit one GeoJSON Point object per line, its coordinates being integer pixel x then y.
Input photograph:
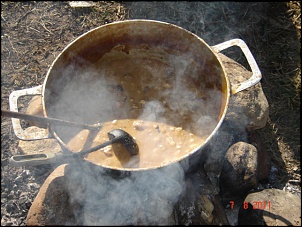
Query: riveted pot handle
{"type": "Point", "coordinates": [256, 77]}
{"type": "Point", "coordinates": [38, 133]}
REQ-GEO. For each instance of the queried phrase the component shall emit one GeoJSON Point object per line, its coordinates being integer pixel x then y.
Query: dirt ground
{"type": "Point", "coordinates": [34, 33]}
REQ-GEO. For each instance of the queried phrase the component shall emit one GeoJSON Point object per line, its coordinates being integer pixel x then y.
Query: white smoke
{"type": "Point", "coordinates": [153, 111]}
{"type": "Point", "coordinates": [140, 198]}
{"type": "Point", "coordinates": [143, 197]}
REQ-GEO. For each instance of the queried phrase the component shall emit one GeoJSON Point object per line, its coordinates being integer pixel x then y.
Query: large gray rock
{"type": "Point", "coordinates": [248, 107]}
{"type": "Point", "coordinates": [240, 169]}
{"type": "Point", "coordinates": [272, 207]}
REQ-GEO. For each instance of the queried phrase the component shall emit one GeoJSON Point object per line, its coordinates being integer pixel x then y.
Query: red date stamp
{"type": "Point", "coordinates": [256, 205]}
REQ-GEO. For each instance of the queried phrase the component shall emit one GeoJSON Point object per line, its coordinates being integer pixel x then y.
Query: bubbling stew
{"type": "Point", "coordinates": [157, 143]}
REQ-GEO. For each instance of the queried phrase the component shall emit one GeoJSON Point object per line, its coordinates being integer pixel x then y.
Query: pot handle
{"type": "Point", "coordinates": [256, 77]}
{"type": "Point", "coordinates": [39, 133]}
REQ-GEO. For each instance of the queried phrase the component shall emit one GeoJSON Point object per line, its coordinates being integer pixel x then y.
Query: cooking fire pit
{"type": "Point", "coordinates": [76, 193]}
{"type": "Point", "coordinates": [168, 196]}
{"type": "Point", "coordinates": [160, 83]}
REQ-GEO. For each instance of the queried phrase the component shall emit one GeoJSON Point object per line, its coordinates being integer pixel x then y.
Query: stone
{"type": "Point", "coordinates": [38, 146]}
{"type": "Point", "coordinates": [271, 207]}
{"type": "Point", "coordinates": [35, 108]}
{"type": "Point", "coordinates": [240, 169]}
{"type": "Point", "coordinates": [264, 160]}
{"type": "Point", "coordinates": [248, 107]}
{"type": "Point", "coordinates": [51, 206]}
{"type": "Point", "coordinates": [214, 152]}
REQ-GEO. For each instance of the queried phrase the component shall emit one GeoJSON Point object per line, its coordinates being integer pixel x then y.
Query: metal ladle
{"type": "Point", "coordinates": [116, 136]}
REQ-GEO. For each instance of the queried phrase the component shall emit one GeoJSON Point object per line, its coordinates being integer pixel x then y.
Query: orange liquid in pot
{"type": "Point", "coordinates": [158, 143]}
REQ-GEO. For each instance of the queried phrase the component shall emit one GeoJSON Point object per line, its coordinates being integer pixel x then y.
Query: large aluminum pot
{"type": "Point", "coordinates": [137, 69]}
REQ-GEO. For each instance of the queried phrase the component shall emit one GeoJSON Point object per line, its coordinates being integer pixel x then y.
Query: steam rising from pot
{"type": "Point", "coordinates": [139, 198]}
{"type": "Point", "coordinates": [161, 86]}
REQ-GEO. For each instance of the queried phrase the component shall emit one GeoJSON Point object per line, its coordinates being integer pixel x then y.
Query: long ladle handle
{"type": "Point", "coordinates": [105, 144]}
{"type": "Point", "coordinates": [50, 120]}
{"type": "Point", "coordinates": [52, 158]}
